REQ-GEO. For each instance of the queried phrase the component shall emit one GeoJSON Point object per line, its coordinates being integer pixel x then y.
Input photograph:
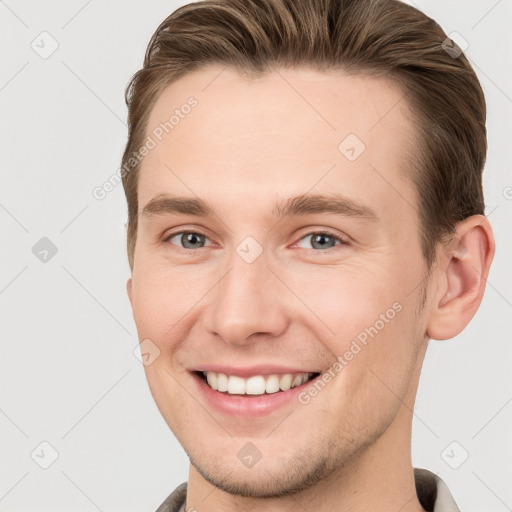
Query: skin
{"type": "Point", "coordinates": [248, 144]}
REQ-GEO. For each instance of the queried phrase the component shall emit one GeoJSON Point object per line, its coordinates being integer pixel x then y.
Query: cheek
{"type": "Point", "coordinates": [370, 319]}
{"type": "Point", "coordinates": [345, 300]}
{"type": "Point", "coordinates": [164, 299]}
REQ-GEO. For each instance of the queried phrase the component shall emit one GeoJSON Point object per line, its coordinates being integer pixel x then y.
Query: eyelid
{"type": "Point", "coordinates": [184, 228]}
{"type": "Point", "coordinates": [343, 240]}
{"type": "Point", "coordinates": [166, 237]}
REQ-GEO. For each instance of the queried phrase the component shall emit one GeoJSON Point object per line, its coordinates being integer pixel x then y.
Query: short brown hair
{"type": "Point", "coordinates": [383, 37]}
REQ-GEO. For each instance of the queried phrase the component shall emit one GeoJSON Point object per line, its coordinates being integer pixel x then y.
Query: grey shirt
{"type": "Point", "coordinates": [433, 494]}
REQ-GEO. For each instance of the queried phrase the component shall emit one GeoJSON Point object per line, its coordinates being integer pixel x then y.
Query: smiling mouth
{"type": "Point", "coordinates": [256, 384]}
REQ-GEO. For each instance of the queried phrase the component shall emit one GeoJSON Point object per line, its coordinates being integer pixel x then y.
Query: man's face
{"type": "Point", "coordinates": [272, 285]}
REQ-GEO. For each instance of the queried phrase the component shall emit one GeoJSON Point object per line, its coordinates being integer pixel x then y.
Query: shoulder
{"type": "Point", "coordinates": [175, 502]}
{"type": "Point", "coordinates": [433, 493]}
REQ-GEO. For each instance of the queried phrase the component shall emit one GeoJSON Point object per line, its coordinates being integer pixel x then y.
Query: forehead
{"type": "Point", "coordinates": [283, 132]}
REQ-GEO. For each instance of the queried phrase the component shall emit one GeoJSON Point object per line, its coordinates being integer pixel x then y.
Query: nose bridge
{"type": "Point", "coordinates": [244, 303]}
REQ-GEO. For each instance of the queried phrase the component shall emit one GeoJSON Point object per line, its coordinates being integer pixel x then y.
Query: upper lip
{"type": "Point", "coordinates": [249, 371]}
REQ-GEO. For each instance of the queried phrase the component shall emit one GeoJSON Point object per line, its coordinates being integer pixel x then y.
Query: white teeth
{"type": "Point", "coordinates": [286, 382]}
{"type": "Point", "coordinates": [222, 382]}
{"type": "Point", "coordinates": [212, 380]}
{"type": "Point", "coordinates": [272, 384]}
{"type": "Point", "coordinates": [255, 385]}
{"type": "Point", "coordinates": [297, 381]}
{"type": "Point", "coordinates": [236, 385]}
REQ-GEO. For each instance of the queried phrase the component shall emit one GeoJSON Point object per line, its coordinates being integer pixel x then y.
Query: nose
{"type": "Point", "coordinates": [246, 306]}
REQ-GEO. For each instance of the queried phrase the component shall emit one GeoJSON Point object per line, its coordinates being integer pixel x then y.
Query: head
{"type": "Point", "coordinates": [328, 157]}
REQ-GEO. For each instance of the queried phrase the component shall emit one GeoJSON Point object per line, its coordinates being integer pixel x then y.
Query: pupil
{"type": "Point", "coordinates": [322, 241]}
{"type": "Point", "coordinates": [192, 240]}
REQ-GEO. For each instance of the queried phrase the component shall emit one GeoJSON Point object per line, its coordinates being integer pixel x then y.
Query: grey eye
{"type": "Point", "coordinates": [189, 240]}
{"type": "Point", "coordinates": [319, 241]}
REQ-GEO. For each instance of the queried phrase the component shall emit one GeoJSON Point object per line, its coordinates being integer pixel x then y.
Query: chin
{"type": "Point", "coordinates": [289, 477]}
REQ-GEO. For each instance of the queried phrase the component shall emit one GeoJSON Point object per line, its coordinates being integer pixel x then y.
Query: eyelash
{"type": "Point", "coordinates": [339, 239]}
{"type": "Point", "coordinates": [167, 238]}
{"type": "Point", "coordinates": [342, 241]}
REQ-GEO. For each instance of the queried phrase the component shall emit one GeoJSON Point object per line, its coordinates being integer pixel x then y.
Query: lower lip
{"type": "Point", "coordinates": [248, 406]}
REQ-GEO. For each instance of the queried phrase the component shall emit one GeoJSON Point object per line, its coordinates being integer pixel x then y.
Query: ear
{"type": "Point", "coordinates": [129, 289]}
{"type": "Point", "coordinates": [465, 263]}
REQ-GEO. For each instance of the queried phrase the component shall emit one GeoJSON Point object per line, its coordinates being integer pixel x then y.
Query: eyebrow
{"type": "Point", "coordinates": [163, 204]}
{"type": "Point", "coordinates": [303, 204]}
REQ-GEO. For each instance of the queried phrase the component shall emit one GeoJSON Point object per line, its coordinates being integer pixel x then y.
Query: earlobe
{"type": "Point", "coordinates": [469, 255]}
{"type": "Point", "coordinates": [129, 289]}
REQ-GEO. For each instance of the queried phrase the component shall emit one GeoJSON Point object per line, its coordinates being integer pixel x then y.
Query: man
{"type": "Point", "coordinates": [305, 213]}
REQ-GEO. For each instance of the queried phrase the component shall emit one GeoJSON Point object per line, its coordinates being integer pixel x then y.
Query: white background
{"type": "Point", "coordinates": [68, 373]}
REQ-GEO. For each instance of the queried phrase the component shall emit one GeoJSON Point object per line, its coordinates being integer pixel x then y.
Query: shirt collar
{"type": "Point", "coordinates": [433, 493]}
